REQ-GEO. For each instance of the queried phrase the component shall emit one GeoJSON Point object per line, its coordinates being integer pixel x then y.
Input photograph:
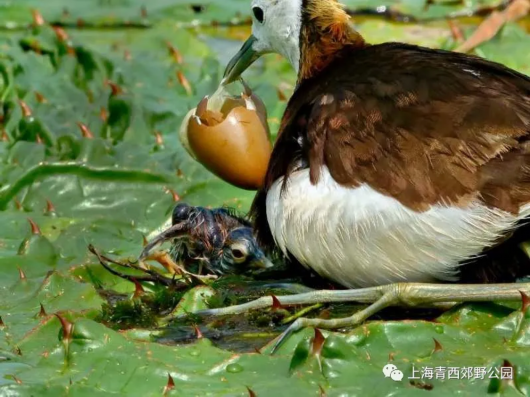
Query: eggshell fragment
{"type": "Point", "coordinates": [233, 142]}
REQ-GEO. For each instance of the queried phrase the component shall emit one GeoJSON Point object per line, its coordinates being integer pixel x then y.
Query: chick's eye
{"type": "Point", "coordinates": [258, 14]}
{"type": "Point", "coordinates": [238, 254]}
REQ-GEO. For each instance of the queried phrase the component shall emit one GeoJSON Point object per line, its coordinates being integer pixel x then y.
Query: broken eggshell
{"type": "Point", "coordinates": [230, 137]}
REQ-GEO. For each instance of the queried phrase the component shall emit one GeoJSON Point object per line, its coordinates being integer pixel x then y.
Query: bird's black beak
{"type": "Point", "coordinates": [261, 262]}
{"type": "Point", "coordinates": [241, 61]}
{"type": "Point", "coordinates": [168, 234]}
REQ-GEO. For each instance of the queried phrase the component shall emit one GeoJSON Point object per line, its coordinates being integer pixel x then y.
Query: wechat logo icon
{"type": "Point", "coordinates": [391, 371]}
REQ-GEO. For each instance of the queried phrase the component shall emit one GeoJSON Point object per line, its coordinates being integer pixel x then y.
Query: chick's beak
{"type": "Point", "coordinates": [168, 234]}
{"type": "Point", "coordinates": [261, 262]}
{"type": "Point", "coordinates": [241, 61]}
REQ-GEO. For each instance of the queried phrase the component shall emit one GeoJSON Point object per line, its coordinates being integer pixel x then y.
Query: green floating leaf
{"type": "Point", "coordinates": [105, 158]}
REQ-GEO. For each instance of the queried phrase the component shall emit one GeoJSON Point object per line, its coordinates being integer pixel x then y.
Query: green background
{"type": "Point", "coordinates": [114, 188]}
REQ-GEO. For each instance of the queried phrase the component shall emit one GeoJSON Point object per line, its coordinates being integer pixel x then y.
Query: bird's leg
{"type": "Point", "coordinates": [414, 294]}
{"type": "Point", "coordinates": [399, 294]}
{"type": "Point", "coordinates": [166, 261]}
{"type": "Point", "coordinates": [152, 276]}
{"type": "Point", "coordinates": [171, 266]}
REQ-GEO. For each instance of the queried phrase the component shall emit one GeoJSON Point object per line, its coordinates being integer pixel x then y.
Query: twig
{"type": "Point", "coordinates": [491, 25]}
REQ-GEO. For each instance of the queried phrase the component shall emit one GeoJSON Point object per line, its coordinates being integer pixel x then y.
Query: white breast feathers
{"type": "Point", "coordinates": [359, 237]}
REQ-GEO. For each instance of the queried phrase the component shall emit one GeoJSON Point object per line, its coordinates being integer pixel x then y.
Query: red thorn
{"type": "Point", "coordinates": [80, 23]}
{"type": "Point", "coordinates": [251, 392]}
{"type": "Point", "coordinates": [281, 95]}
{"type": "Point", "coordinates": [61, 34]}
{"type": "Point", "coordinates": [103, 114]}
{"type": "Point", "coordinates": [322, 391]}
{"type": "Point", "coordinates": [34, 227]}
{"type": "Point", "coordinates": [2, 324]}
{"type": "Point", "coordinates": [138, 289]}
{"type": "Point", "coordinates": [21, 274]}
{"type": "Point", "coordinates": [317, 343]}
{"type": "Point", "coordinates": [256, 350]}
{"type": "Point", "coordinates": [198, 333]}
{"type": "Point", "coordinates": [42, 312]}
{"type": "Point", "coordinates": [170, 384]}
{"type": "Point", "coordinates": [180, 174]}
{"type": "Point", "coordinates": [175, 195]}
{"type": "Point", "coordinates": [17, 380]}
{"type": "Point", "coordinates": [40, 98]}
{"type": "Point", "coordinates": [38, 19]}
{"type": "Point", "coordinates": [4, 137]}
{"type": "Point", "coordinates": [67, 326]}
{"type": "Point", "coordinates": [276, 305]}
{"type": "Point", "coordinates": [85, 132]}
{"type": "Point", "coordinates": [39, 139]}
{"type": "Point", "coordinates": [26, 111]}
{"type": "Point", "coordinates": [158, 138]}
{"type": "Point", "coordinates": [175, 54]}
{"type": "Point", "coordinates": [437, 346]}
{"type": "Point", "coordinates": [508, 364]}
{"type": "Point", "coordinates": [184, 82]}
{"type": "Point", "coordinates": [391, 356]}
{"type": "Point", "coordinates": [18, 204]}
{"type": "Point", "coordinates": [116, 89]}
{"type": "Point", "coordinates": [143, 12]}
{"type": "Point", "coordinates": [144, 240]}
{"type": "Point", "coordinates": [49, 207]}
{"type": "Point", "coordinates": [526, 301]}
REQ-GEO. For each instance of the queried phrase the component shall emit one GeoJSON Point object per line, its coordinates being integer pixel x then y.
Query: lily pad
{"type": "Point", "coordinates": [89, 153]}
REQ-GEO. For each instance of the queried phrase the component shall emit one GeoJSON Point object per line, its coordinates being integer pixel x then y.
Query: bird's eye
{"type": "Point", "coordinates": [239, 253]}
{"type": "Point", "coordinates": [258, 14]}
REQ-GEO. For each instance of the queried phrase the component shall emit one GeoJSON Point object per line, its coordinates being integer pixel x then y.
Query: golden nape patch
{"type": "Point", "coordinates": [328, 15]}
{"type": "Point", "coordinates": [326, 29]}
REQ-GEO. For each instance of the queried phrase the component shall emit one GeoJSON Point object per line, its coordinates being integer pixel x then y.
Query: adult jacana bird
{"type": "Point", "coordinates": [398, 169]}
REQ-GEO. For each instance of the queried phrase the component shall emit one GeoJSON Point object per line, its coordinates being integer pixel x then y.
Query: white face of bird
{"type": "Point", "coordinates": [275, 28]}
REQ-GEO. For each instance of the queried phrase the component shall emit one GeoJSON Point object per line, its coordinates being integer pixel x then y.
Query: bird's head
{"type": "Point", "coordinates": [241, 253]}
{"type": "Point", "coordinates": [306, 32]}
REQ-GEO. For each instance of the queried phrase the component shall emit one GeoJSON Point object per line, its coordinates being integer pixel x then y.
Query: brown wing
{"type": "Point", "coordinates": [426, 132]}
